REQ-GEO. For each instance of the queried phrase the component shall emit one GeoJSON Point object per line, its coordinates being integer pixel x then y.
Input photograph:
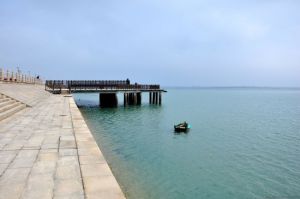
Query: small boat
{"type": "Point", "coordinates": [182, 127]}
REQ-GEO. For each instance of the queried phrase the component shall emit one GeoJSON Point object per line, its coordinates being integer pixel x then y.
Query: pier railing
{"type": "Point", "coordinates": [10, 76]}
{"type": "Point", "coordinates": [94, 85]}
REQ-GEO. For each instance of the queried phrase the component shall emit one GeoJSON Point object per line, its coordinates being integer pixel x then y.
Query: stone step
{"type": "Point", "coordinates": [11, 111]}
{"type": "Point", "coordinates": [4, 99]}
{"type": "Point", "coordinates": [10, 101]}
{"type": "Point", "coordinates": [9, 106]}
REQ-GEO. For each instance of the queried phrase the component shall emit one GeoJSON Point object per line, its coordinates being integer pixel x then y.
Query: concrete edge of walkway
{"type": "Point", "coordinates": [98, 179]}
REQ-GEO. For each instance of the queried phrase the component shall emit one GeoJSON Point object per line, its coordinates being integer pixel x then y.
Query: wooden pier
{"type": "Point", "coordinates": [108, 90]}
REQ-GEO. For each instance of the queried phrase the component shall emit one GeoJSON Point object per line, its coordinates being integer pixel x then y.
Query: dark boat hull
{"type": "Point", "coordinates": [181, 128]}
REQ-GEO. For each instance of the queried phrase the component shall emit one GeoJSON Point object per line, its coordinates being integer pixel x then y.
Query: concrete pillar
{"type": "Point", "coordinates": [139, 98]}
{"type": "Point", "coordinates": [134, 98]}
{"type": "Point", "coordinates": [129, 102]}
{"type": "Point", "coordinates": [125, 99]}
{"type": "Point", "coordinates": [150, 97]}
{"type": "Point", "coordinates": [108, 100]}
{"type": "Point", "coordinates": [130, 99]}
{"type": "Point", "coordinates": [153, 97]}
{"type": "Point", "coordinates": [152, 100]}
{"type": "Point", "coordinates": [159, 98]}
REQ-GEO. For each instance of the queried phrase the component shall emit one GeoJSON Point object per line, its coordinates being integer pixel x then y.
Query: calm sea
{"type": "Point", "coordinates": [244, 143]}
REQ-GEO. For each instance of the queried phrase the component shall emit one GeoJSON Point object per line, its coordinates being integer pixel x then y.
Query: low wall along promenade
{"type": "Point", "coordinates": [48, 151]}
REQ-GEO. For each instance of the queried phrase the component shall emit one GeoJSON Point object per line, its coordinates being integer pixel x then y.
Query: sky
{"type": "Point", "coordinates": [169, 42]}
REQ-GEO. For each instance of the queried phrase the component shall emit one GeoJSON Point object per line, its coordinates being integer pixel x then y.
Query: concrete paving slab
{"type": "Point", "coordinates": [102, 187]}
{"type": "Point", "coordinates": [39, 186]}
{"type": "Point", "coordinates": [68, 187]}
{"type": "Point", "coordinates": [90, 170]}
{"type": "Point", "coordinates": [3, 167]}
{"type": "Point", "coordinates": [67, 152]}
{"type": "Point", "coordinates": [91, 159]}
{"type": "Point", "coordinates": [12, 183]}
{"type": "Point", "coordinates": [7, 156]}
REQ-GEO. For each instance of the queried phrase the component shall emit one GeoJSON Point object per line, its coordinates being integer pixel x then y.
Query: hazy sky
{"type": "Point", "coordinates": [171, 42]}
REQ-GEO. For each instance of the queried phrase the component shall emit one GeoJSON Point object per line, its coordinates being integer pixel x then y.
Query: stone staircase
{"type": "Point", "coordinates": [9, 106]}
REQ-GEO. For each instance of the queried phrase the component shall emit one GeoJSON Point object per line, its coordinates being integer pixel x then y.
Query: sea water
{"type": "Point", "coordinates": [244, 143]}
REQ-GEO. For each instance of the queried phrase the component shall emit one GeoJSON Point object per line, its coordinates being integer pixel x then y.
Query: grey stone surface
{"type": "Point", "coordinates": [47, 151]}
{"type": "Point", "coordinates": [12, 183]}
{"type": "Point", "coordinates": [3, 167]}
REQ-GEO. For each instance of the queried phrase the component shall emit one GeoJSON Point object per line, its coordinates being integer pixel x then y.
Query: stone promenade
{"type": "Point", "coordinates": [47, 151]}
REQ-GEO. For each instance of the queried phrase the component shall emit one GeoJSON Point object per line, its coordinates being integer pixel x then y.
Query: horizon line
{"type": "Point", "coordinates": [216, 87]}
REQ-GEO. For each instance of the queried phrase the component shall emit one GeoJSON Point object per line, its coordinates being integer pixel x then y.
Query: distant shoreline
{"type": "Point", "coordinates": [232, 87]}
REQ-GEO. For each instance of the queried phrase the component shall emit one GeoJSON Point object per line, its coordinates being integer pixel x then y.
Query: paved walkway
{"type": "Point", "coordinates": [29, 94]}
{"type": "Point", "coordinates": [47, 151]}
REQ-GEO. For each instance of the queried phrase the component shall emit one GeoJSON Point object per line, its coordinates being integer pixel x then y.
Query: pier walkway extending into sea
{"type": "Point", "coordinates": [108, 90]}
{"type": "Point", "coordinates": [47, 150]}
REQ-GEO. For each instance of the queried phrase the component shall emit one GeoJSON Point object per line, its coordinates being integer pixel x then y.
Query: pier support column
{"type": "Point", "coordinates": [139, 98]}
{"type": "Point", "coordinates": [159, 98]}
{"type": "Point", "coordinates": [125, 99]}
{"type": "Point", "coordinates": [108, 100]}
{"type": "Point", "coordinates": [130, 98]}
{"type": "Point", "coordinates": [134, 98]}
{"type": "Point", "coordinates": [150, 97]}
{"type": "Point", "coordinates": [155, 98]}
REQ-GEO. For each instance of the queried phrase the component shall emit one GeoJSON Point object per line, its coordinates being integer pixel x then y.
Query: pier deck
{"type": "Point", "coordinates": [98, 85]}
{"type": "Point", "coordinates": [47, 151]}
{"type": "Point", "coordinates": [107, 90]}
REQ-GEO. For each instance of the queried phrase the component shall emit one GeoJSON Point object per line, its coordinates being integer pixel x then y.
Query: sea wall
{"type": "Point", "coordinates": [98, 179]}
